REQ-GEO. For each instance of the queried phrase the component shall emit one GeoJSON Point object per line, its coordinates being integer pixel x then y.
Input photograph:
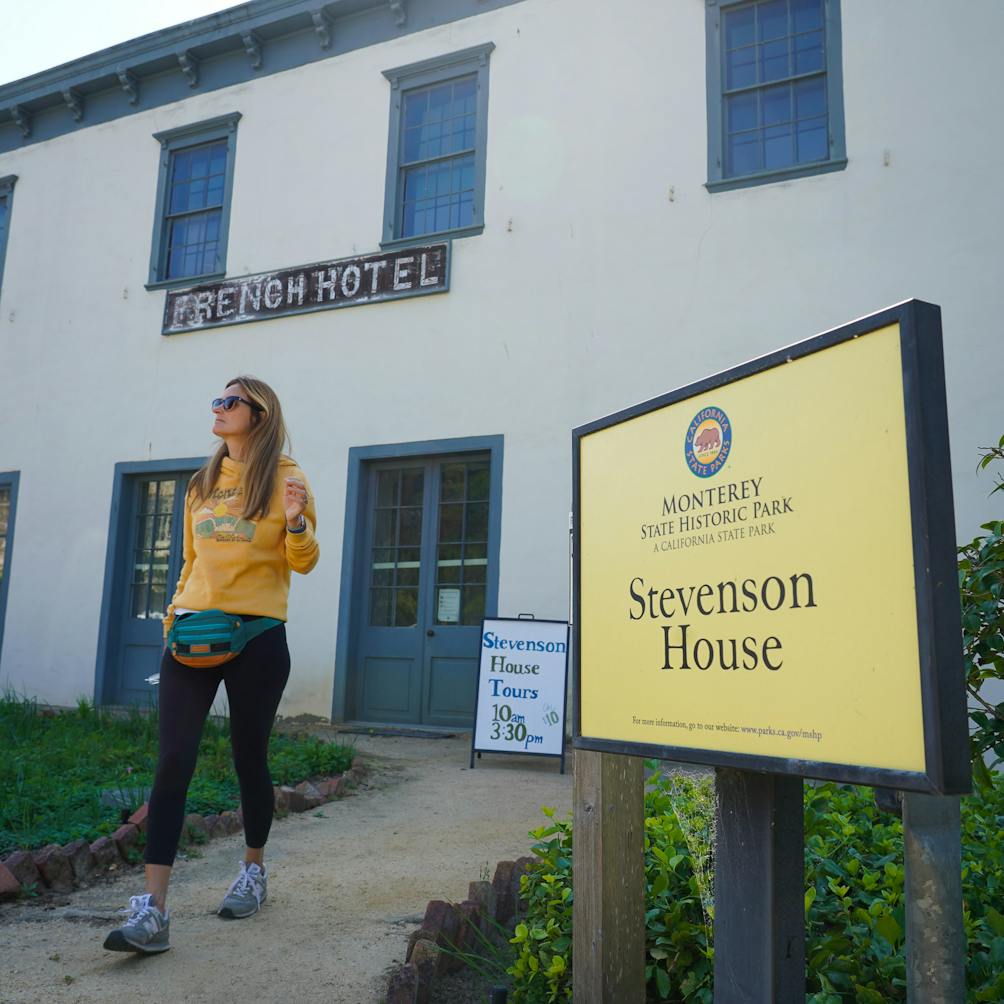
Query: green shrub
{"type": "Point", "coordinates": [53, 769]}
{"type": "Point", "coordinates": [981, 585]}
{"type": "Point", "coordinates": [854, 898]}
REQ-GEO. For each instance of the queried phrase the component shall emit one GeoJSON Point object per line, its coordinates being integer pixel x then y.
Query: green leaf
{"type": "Point", "coordinates": [662, 982]}
{"type": "Point", "coordinates": [886, 926]}
{"type": "Point", "coordinates": [995, 920]}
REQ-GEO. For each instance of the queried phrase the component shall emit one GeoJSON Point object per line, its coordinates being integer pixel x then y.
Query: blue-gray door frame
{"type": "Point", "coordinates": [11, 480]}
{"type": "Point", "coordinates": [354, 550]}
{"type": "Point", "coordinates": [115, 548]}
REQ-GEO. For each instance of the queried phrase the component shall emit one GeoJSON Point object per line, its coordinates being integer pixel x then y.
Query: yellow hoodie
{"type": "Point", "coordinates": [241, 565]}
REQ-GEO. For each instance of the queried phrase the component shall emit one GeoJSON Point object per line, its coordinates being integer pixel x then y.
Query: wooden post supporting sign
{"type": "Point", "coordinates": [760, 909]}
{"type": "Point", "coordinates": [608, 913]}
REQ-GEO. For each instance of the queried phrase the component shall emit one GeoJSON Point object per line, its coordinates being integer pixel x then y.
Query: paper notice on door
{"type": "Point", "coordinates": [449, 606]}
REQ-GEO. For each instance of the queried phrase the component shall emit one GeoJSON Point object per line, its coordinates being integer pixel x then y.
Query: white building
{"type": "Point", "coordinates": [631, 196]}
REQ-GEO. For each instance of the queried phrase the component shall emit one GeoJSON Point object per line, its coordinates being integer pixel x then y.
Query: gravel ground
{"type": "Point", "coordinates": [346, 887]}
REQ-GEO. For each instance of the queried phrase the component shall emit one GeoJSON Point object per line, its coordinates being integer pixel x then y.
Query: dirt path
{"type": "Point", "coordinates": [345, 889]}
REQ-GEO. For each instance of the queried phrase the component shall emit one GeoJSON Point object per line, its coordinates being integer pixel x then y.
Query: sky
{"type": "Point", "coordinates": [45, 33]}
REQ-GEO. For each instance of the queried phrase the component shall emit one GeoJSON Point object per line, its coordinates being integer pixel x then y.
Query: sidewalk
{"type": "Point", "coordinates": [345, 890]}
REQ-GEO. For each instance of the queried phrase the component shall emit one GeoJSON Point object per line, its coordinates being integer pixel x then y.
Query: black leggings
{"type": "Point", "coordinates": [254, 681]}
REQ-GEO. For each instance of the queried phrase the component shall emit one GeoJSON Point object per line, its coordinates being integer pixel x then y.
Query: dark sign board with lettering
{"type": "Point", "coordinates": [345, 282]}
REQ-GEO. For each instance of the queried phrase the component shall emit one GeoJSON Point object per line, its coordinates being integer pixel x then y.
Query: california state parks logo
{"type": "Point", "coordinates": [709, 442]}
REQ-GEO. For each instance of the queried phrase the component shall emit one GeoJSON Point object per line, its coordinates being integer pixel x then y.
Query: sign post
{"type": "Point", "coordinates": [765, 582]}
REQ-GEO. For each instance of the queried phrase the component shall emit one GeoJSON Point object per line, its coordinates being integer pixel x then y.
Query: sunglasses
{"type": "Point", "coordinates": [232, 400]}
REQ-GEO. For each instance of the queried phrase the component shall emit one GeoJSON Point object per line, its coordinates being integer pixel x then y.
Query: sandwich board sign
{"type": "Point", "coordinates": [522, 683]}
{"type": "Point", "coordinates": [764, 570]}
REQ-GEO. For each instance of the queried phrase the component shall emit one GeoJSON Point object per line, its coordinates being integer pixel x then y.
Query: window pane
{"type": "Point", "coordinates": [810, 98]}
{"type": "Point", "coordinates": [809, 52]}
{"type": "Point", "coordinates": [412, 486]}
{"type": "Point", "coordinates": [387, 488]}
{"type": "Point", "coordinates": [383, 577]}
{"type": "Point", "coordinates": [448, 574]}
{"type": "Point", "coordinates": [138, 608]}
{"type": "Point", "coordinates": [739, 27]}
{"type": "Point", "coordinates": [451, 522]}
{"type": "Point", "coordinates": [813, 140]}
{"type": "Point", "coordinates": [406, 608]}
{"type": "Point", "coordinates": [773, 18]}
{"type": "Point", "coordinates": [144, 532]}
{"type": "Point", "coordinates": [476, 551]}
{"type": "Point", "coordinates": [477, 521]}
{"type": "Point", "coordinates": [741, 110]}
{"type": "Point", "coordinates": [775, 103]}
{"type": "Point", "coordinates": [411, 526]}
{"type": "Point", "coordinates": [380, 607]}
{"type": "Point", "coordinates": [449, 552]}
{"type": "Point", "coordinates": [477, 483]}
{"type": "Point", "coordinates": [148, 497]}
{"type": "Point", "coordinates": [774, 60]}
{"type": "Point", "coordinates": [408, 577]}
{"type": "Point", "coordinates": [385, 532]}
{"type": "Point", "coordinates": [384, 556]}
{"type": "Point", "coordinates": [807, 14]}
{"type": "Point", "coordinates": [452, 483]}
{"type": "Point", "coordinates": [744, 153]}
{"type": "Point", "coordinates": [740, 68]}
{"type": "Point", "coordinates": [473, 606]}
{"type": "Point", "coordinates": [777, 147]}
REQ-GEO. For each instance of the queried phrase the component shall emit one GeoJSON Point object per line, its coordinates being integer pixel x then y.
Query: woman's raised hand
{"type": "Point", "coordinates": [295, 501]}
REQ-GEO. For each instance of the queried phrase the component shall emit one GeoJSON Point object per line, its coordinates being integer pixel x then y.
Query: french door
{"type": "Point", "coordinates": [424, 582]}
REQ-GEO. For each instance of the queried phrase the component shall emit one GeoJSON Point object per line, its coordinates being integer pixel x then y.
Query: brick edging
{"type": "Point", "coordinates": [63, 869]}
{"type": "Point", "coordinates": [456, 926]}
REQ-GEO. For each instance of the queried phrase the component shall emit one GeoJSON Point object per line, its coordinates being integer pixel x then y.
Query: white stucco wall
{"type": "Point", "coordinates": [590, 289]}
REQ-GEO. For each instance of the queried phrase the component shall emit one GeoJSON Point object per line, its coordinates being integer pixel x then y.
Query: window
{"type": "Point", "coordinates": [6, 199]}
{"type": "Point", "coordinates": [8, 504]}
{"type": "Point", "coordinates": [436, 151]}
{"type": "Point", "coordinates": [775, 94]}
{"type": "Point", "coordinates": [193, 202]}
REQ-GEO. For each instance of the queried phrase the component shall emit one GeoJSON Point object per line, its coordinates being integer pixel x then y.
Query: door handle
{"type": "Point", "coordinates": [430, 633]}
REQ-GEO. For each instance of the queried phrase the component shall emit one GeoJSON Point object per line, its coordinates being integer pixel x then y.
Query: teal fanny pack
{"type": "Point", "coordinates": [211, 637]}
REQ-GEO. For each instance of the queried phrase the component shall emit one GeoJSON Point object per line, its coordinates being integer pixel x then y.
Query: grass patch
{"type": "Point", "coordinates": [54, 769]}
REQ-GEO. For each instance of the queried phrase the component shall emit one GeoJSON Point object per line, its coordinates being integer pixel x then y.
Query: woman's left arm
{"type": "Point", "coordinates": [302, 549]}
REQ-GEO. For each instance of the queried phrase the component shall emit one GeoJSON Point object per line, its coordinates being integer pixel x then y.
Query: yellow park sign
{"type": "Point", "coordinates": [764, 566]}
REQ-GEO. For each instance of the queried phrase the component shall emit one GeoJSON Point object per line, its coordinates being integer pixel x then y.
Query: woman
{"type": "Point", "coordinates": [249, 520]}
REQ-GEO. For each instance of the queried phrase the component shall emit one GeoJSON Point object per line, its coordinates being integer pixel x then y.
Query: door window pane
{"type": "Point", "coordinates": [152, 538]}
{"type": "Point", "coordinates": [462, 564]}
{"type": "Point", "coordinates": [396, 548]}
{"type": "Point", "coordinates": [4, 521]}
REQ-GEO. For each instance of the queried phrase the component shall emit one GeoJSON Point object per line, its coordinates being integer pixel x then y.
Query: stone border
{"type": "Point", "coordinates": [62, 869]}
{"type": "Point", "coordinates": [457, 926]}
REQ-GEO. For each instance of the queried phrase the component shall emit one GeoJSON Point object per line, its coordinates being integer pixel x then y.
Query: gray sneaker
{"type": "Point", "coordinates": [147, 929]}
{"type": "Point", "coordinates": [247, 893]}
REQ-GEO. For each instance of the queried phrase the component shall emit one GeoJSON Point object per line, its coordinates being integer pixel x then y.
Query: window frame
{"type": "Point", "coordinates": [837, 160]}
{"type": "Point", "coordinates": [427, 73]}
{"type": "Point", "coordinates": [7, 184]}
{"type": "Point", "coordinates": [171, 141]}
{"type": "Point", "coordinates": [11, 480]}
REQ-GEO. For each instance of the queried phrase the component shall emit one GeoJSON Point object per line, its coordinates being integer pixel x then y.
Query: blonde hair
{"type": "Point", "coordinates": [264, 449]}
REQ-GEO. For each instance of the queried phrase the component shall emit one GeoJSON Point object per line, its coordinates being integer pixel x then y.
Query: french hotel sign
{"type": "Point", "coordinates": [344, 282]}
